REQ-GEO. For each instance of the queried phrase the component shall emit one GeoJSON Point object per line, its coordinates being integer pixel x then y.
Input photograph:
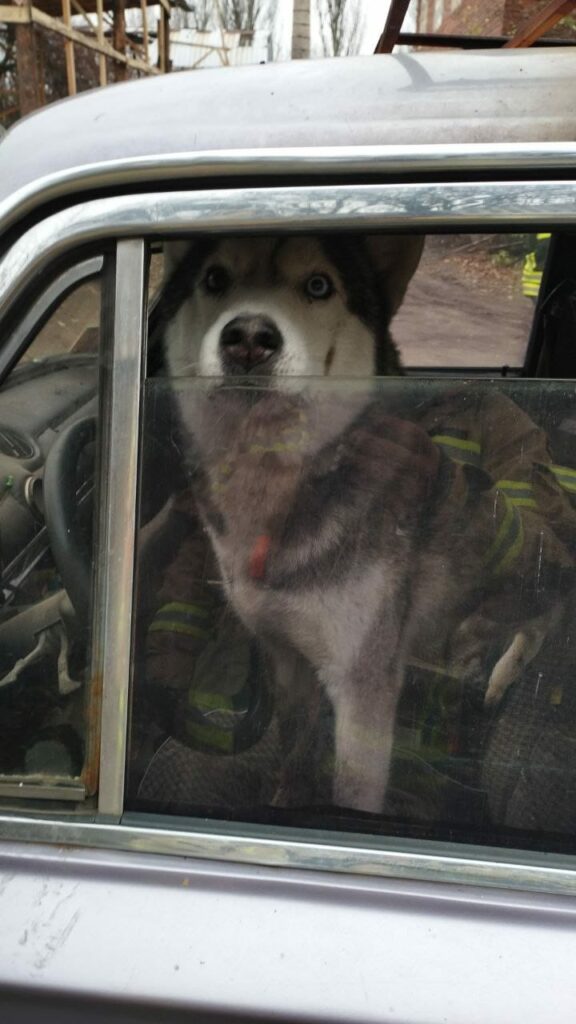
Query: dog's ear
{"type": "Point", "coordinates": [174, 254]}
{"type": "Point", "coordinates": [182, 263]}
{"type": "Point", "coordinates": [395, 259]}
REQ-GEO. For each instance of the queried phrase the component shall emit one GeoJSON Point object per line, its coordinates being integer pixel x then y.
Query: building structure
{"type": "Point", "coordinates": [491, 18]}
{"type": "Point", "coordinates": [94, 38]}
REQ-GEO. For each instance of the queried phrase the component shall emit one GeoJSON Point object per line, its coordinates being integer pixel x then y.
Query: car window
{"type": "Point", "coordinates": [463, 285]}
{"type": "Point", "coordinates": [74, 327]}
{"type": "Point", "coordinates": [354, 588]}
{"type": "Point", "coordinates": [48, 435]}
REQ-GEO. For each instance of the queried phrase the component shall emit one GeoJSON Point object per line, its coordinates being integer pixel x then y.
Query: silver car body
{"type": "Point", "coordinates": [120, 918]}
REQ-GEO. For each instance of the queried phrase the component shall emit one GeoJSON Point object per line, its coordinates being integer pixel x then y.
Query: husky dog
{"type": "Point", "coordinates": [327, 512]}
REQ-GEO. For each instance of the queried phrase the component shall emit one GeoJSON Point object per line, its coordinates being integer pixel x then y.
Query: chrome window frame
{"type": "Point", "coordinates": [131, 220]}
{"type": "Point", "coordinates": [392, 207]}
{"type": "Point", "coordinates": [288, 162]}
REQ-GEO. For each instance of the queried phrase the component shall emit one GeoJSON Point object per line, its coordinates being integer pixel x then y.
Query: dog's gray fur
{"type": "Point", "coordinates": [317, 552]}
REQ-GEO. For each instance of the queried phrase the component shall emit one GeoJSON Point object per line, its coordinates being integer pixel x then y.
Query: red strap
{"type": "Point", "coordinates": [259, 556]}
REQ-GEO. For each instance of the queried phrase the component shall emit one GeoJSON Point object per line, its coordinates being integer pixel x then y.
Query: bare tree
{"type": "Point", "coordinates": [340, 26]}
{"type": "Point", "coordinates": [196, 14]}
{"type": "Point", "coordinates": [244, 15]}
{"type": "Point", "coordinates": [203, 14]}
{"type": "Point", "coordinates": [234, 15]}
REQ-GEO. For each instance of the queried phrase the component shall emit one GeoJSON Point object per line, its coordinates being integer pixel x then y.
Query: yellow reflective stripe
{"type": "Point", "coordinates": [211, 701]}
{"type": "Point", "coordinates": [208, 735]}
{"type": "Point", "coordinates": [168, 626]}
{"type": "Point", "coordinates": [457, 442]}
{"type": "Point", "coordinates": [531, 277]}
{"type": "Point", "coordinates": [513, 551]}
{"type": "Point", "coordinates": [566, 477]}
{"type": "Point", "coordinates": [194, 610]}
{"type": "Point", "coordinates": [180, 617]}
{"type": "Point", "coordinates": [513, 485]}
{"type": "Point", "coordinates": [458, 449]}
{"type": "Point", "coordinates": [542, 235]}
{"type": "Point", "coordinates": [508, 541]}
{"type": "Point", "coordinates": [518, 492]}
{"type": "Point", "coordinates": [523, 502]}
{"type": "Point", "coordinates": [500, 537]}
{"type": "Point", "coordinates": [564, 471]}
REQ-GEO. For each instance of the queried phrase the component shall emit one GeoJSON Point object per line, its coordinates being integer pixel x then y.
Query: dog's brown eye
{"type": "Point", "coordinates": [216, 280]}
{"type": "Point", "coordinates": [319, 286]}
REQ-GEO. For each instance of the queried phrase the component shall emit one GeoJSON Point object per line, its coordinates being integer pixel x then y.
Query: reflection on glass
{"type": "Point", "coordinates": [73, 328]}
{"type": "Point", "coordinates": [354, 605]}
{"type": "Point", "coordinates": [48, 409]}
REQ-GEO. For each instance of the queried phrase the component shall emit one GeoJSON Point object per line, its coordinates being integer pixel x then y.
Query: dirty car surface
{"type": "Point", "coordinates": [151, 862]}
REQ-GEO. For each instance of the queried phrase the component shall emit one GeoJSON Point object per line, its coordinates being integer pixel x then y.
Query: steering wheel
{"type": "Point", "coordinates": [69, 498]}
{"type": "Point", "coordinates": [69, 540]}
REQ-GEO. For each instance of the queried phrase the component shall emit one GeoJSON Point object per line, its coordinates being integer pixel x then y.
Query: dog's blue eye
{"type": "Point", "coordinates": [319, 286]}
{"type": "Point", "coordinates": [216, 280]}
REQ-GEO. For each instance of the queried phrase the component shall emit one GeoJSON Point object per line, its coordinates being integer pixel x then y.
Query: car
{"type": "Point", "coordinates": [148, 867]}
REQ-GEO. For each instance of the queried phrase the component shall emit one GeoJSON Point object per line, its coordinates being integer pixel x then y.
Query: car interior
{"type": "Point", "coordinates": [48, 514]}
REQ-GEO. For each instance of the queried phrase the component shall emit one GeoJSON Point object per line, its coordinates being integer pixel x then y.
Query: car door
{"type": "Point", "coordinates": [160, 841]}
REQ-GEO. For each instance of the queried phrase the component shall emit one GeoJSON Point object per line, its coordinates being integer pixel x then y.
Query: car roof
{"type": "Point", "coordinates": [402, 100]}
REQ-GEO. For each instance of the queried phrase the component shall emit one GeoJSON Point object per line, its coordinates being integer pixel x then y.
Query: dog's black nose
{"type": "Point", "coordinates": [247, 341]}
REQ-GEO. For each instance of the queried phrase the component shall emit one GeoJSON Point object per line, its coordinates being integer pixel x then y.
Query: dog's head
{"type": "Point", "coordinates": [288, 306]}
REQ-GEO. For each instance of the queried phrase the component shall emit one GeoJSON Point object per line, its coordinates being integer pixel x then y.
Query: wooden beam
{"type": "Point", "coordinates": [163, 38]}
{"type": "Point", "coordinates": [165, 18]}
{"type": "Point", "coordinates": [28, 70]}
{"type": "Point", "coordinates": [15, 15]}
{"type": "Point", "coordinates": [540, 23]}
{"type": "Point", "coordinates": [160, 41]}
{"type": "Point", "coordinates": [145, 29]}
{"type": "Point", "coordinates": [119, 38]}
{"type": "Point", "coordinates": [80, 10]}
{"type": "Point", "coordinates": [102, 73]}
{"type": "Point", "coordinates": [55, 25]}
{"type": "Point", "coordinates": [455, 42]}
{"type": "Point", "coordinates": [69, 50]}
{"type": "Point", "coordinates": [392, 26]}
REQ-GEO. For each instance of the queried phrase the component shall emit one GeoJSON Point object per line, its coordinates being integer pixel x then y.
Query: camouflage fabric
{"type": "Point", "coordinates": [201, 681]}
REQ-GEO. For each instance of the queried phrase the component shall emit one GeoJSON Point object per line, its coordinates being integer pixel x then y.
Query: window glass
{"type": "Point", "coordinates": [354, 588]}
{"type": "Point", "coordinates": [74, 327]}
{"type": "Point", "coordinates": [463, 285]}
{"type": "Point", "coordinates": [48, 414]}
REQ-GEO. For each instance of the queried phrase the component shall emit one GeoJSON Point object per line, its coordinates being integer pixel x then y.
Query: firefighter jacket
{"type": "Point", "coordinates": [509, 504]}
{"type": "Point", "coordinates": [533, 266]}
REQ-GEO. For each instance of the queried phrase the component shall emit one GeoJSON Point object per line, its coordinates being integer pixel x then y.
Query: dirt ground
{"type": "Point", "coordinates": [463, 308]}
{"type": "Point", "coordinates": [74, 325]}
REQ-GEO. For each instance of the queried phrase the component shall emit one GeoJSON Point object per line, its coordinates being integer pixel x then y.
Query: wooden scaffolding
{"type": "Point", "coordinates": [99, 26]}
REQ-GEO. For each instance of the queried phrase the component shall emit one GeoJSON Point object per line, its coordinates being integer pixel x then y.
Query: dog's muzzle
{"type": "Point", "coordinates": [249, 341]}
